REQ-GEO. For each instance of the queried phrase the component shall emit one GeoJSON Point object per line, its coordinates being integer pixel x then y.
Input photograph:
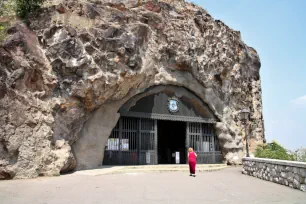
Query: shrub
{"type": "Point", "coordinates": [25, 7]}
{"type": "Point", "coordinates": [3, 28]}
{"type": "Point", "coordinates": [273, 150]}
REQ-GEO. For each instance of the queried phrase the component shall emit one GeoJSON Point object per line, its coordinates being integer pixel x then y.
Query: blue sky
{"type": "Point", "coordinates": [277, 30]}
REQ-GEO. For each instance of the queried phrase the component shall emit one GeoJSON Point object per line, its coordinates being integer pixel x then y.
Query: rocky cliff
{"type": "Point", "coordinates": [75, 58]}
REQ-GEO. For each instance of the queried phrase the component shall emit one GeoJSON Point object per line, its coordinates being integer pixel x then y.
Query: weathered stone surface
{"type": "Point", "coordinates": [287, 176]}
{"type": "Point", "coordinates": [303, 188]}
{"type": "Point", "coordinates": [302, 172]}
{"type": "Point", "coordinates": [296, 184]}
{"type": "Point", "coordinates": [77, 60]}
{"type": "Point", "coordinates": [286, 182]}
{"type": "Point", "coordinates": [283, 175]}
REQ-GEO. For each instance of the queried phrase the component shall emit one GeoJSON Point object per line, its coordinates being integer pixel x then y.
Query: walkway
{"type": "Point", "coordinates": [225, 186]}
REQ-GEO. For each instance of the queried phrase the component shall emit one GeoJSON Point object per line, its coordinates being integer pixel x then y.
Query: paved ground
{"type": "Point", "coordinates": [226, 186]}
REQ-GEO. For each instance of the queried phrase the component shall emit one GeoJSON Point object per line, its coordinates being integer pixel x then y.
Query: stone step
{"type": "Point", "coordinates": [181, 166]}
{"type": "Point", "coordinates": [148, 170]}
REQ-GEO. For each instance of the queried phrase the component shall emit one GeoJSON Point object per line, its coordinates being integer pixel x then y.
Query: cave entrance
{"type": "Point", "coordinates": [171, 142]}
{"type": "Point", "coordinates": [158, 127]}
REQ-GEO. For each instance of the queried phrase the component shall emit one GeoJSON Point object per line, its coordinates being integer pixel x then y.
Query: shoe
{"type": "Point", "coordinates": [194, 175]}
{"type": "Point", "coordinates": [190, 175]}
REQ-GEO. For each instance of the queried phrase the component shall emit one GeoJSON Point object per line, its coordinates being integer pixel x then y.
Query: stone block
{"type": "Point", "coordinates": [281, 181]}
{"type": "Point", "coordinates": [298, 178]}
{"type": "Point", "coordinates": [290, 185]}
{"type": "Point", "coordinates": [277, 168]}
{"type": "Point", "coordinates": [302, 172]}
{"type": "Point", "coordinates": [286, 182]}
{"type": "Point", "coordinates": [296, 184]}
{"type": "Point", "coordinates": [303, 187]}
{"type": "Point", "coordinates": [283, 174]}
{"type": "Point", "coordinates": [290, 179]}
{"type": "Point", "coordinates": [288, 169]}
{"type": "Point", "coordinates": [275, 180]}
{"type": "Point", "coordinates": [295, 170]}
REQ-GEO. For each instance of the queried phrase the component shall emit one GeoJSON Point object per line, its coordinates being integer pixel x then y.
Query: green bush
{"type": "Point", "coordinates": [25, 7]}
{"type": "Point", "coordinates": [3, 28]}
{"type": "Point", "coordinates": [20, 8]}
{"type": "Point", "coordinates": [273, 150]}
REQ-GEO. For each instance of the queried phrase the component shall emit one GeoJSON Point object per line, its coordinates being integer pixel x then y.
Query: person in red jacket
{"type": "Point", "coordinates": [192, 161]}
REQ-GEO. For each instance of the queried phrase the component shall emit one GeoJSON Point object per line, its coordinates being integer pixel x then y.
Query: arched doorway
{"type": "Point", "coordinates": [158, 126]}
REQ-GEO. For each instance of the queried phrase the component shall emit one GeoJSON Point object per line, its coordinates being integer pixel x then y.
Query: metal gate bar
{"type": "Point", "coordinates": [202, 138]}
{"type": "Point", "coordinates": [132, 142]}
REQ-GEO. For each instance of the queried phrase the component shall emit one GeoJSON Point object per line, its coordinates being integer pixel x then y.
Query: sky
{"type": "Point", "coordinates": [277, 30]}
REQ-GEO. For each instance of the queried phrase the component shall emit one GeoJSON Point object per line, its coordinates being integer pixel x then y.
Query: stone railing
{"type": "Point", "coordinates": [288, 173]}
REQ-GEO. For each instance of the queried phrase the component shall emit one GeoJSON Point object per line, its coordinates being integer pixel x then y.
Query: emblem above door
{"type": "Point", "coordinates": [173, 105]}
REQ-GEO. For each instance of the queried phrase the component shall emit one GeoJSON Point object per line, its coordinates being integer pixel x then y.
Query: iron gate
{"type": "Point", "coordinates": [202, 138]}
{"type": "Point", "coordinates": [132, 142]}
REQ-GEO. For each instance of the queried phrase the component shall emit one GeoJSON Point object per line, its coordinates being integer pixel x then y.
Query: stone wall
{"type": "Point", "coordinates": [288, 173]}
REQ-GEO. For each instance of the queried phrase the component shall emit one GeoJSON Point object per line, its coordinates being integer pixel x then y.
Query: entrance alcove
{"type": "Point", "coordinates": [159, 125]}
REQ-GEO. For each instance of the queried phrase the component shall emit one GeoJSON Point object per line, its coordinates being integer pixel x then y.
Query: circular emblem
{"type": "Point", "coordinates": [173, 105]}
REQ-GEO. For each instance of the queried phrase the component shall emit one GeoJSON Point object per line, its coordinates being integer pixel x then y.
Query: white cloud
{"type": "Point", "coordinates": [299, 101]}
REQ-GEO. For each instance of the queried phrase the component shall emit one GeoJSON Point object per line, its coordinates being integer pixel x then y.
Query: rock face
{"type": "Point", "coordinates": [78, 62]}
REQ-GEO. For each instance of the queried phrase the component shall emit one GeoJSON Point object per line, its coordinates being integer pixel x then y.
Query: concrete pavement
{"type": "Point", "coordinates": [225, 186]}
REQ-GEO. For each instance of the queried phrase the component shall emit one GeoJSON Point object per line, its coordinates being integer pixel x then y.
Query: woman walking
{"type": "Point", "coordinates": [192, 160]}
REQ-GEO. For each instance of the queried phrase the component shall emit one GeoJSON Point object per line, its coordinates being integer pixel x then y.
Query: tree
{"type": "Point", "coordinates": [301, 155]}
{"type": "Point", "coordinates": [273, 150]}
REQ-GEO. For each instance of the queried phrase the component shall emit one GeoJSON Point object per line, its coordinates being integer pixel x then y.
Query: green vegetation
{"type": "Point", "coordinates": [3, 28]}
{"type": "Point", "coordinates": [274, 150]}
{"type": "Point", "coordinates": [25, 7]}
{"type": "Point", "coordinates": [7, 8]}
{"type": "Point", "coordinates": [21, 8]}
{"type": "Point", "coordinates": [301, 155]}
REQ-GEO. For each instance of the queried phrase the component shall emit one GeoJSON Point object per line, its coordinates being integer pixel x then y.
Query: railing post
{"type": "Point", "coordinates": [187, 140]}
{"type": "Point", "coordinates": [213, 146]}
{"type": "Point", "coordinates": [139, 141]}
{"type": "Point", "coordinates": [120, 138]}
{"type": "Point", "coordinates": [201, 149]}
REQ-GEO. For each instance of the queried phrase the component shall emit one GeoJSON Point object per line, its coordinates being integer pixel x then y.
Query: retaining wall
{"type": "Point", "coordinates": [288, 173]}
